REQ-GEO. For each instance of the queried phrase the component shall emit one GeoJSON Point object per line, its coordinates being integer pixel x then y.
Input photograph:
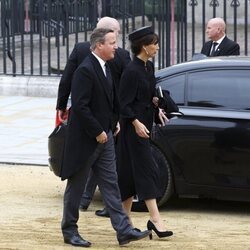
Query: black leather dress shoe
{"type": "Point", "coordinates": [104, 212]}
{"type": "Point", "coordinates": [132, 235]}
{"type": "Point", "coordinates": [83, 208]}
{"type": "Point", "coordinates": [77, 240]}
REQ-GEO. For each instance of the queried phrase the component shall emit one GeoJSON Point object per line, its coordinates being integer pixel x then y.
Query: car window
{"type": "Point", "coordinates": [227, 89]}
{"type": "Point", "coordinates": [175, 85]}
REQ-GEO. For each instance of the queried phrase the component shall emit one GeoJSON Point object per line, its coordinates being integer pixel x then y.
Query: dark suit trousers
{"type": "Point", "coordinates": [89, 190]}
{"type": "Point", "coordinates": [104, 168]}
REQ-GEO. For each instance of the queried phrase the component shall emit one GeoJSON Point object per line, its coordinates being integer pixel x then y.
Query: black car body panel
{"type": "Point", "coordinates": [204, 150]}
{"type": "Point", "coordinates": [208, 145]}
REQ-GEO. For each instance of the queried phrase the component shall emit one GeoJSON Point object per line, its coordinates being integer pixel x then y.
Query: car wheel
{"type": "Point", "coordinates": [166, 181]}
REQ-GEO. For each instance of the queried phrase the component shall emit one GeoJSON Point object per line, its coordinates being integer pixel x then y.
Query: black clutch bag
{"type": "Point", "coordinates": [56, 147]}
{"type": "Point", "coordinates": [166, 102]}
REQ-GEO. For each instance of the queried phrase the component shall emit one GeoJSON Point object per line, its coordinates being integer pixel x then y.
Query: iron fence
{"type": "Point", "coordinates": [37, 36]}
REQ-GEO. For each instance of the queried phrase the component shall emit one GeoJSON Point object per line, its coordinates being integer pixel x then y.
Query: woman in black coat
{"type": "Point", "coordinates": [136, 167]}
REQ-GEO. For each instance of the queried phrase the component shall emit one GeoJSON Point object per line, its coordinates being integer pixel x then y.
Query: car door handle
{"type": "Point", "coordinates": [176, 114]}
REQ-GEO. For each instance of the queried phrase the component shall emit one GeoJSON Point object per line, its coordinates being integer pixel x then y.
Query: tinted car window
{"type": "Point", "coordinates": [227, 89]}
{"type": "Point", "coordinates": [175, 85]}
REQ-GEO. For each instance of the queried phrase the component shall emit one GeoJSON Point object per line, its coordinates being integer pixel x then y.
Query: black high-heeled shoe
{"type": "Point", "coordinates": [160, 234]}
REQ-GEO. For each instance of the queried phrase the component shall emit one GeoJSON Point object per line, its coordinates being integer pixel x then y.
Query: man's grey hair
{"type": "Point", "coordinates": [98, 36]}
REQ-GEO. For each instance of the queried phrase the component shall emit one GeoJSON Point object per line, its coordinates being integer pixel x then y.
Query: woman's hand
{"type": "Point", "coordinates": [162, 117]}
{"type": "Point", "coordinates": [140, 129]}
{"type": "Point", "coordinates": [155, 101]}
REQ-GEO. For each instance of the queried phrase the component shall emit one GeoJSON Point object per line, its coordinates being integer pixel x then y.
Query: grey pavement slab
{"type": "Point", "coordinates": [25, 124]}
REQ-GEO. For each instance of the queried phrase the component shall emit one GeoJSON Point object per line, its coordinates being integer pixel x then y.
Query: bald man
{"type": "Point", "coordinates": [219, 44]}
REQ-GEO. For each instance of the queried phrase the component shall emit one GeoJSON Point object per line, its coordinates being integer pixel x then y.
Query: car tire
{"type": "Point", "coordinates": [166, 181]}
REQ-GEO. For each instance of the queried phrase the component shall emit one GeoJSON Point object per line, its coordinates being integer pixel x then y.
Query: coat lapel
{"type": "Point", "coordinates": [221, 46]}
{"type": "Point", "coordinates": [103, 80]}
{"type": "Point", "coordinates": [208, 48]}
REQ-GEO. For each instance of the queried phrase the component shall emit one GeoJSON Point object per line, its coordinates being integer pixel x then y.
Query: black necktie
{"type": "Point", "coordinates": [213, 48]}
{"type": "Point", "coordinates": [109, 78]}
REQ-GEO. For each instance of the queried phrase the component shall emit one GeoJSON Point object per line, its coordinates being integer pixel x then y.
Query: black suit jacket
{"type": "Point", "coordinates": [226, 48]}
{"type": "Point", "coordinates": [79, 53]}
{"type": "Point", "coordinates": [91, 113]}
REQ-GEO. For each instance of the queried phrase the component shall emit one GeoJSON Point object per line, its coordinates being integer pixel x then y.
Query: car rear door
{"type": "Point", "coordinates": [211, 141]}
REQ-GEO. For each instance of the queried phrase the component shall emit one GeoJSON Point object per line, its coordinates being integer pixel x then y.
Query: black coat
{"type": "Point", "coordinates": [91, 113]}
{"type": "Point", "coordinates": [79, 53]}
{"type": "Point", "coordinates": [136, 169]}
{"type": "Point", "coordinates": [226, 48]}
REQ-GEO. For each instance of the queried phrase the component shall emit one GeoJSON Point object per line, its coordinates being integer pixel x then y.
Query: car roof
{"type": "Point", "coordinates": [206, 63]}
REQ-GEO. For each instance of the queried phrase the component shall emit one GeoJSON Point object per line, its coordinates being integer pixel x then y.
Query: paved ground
{"type": "Point", "coordinates": [25, 124]}
{"type": "Point", "coordinates": [31, 201]}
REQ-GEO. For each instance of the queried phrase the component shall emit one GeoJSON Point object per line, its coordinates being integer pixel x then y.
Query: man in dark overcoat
{"type": "Point", "coordinates": [117, 65]}
{"type": "Point", "coordinates": [219, 44]}
{"type": "Point", "coordinates": [79, 53]}
{"type": "Point", "coordinates": [89, 142]}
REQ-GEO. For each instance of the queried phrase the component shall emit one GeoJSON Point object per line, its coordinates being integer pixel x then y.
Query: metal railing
{"type": "Point", "coordinates": [37, 36]}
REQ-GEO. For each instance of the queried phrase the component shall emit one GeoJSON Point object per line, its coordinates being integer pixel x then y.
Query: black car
{"type": "Point", "coordinates": [204, 150]}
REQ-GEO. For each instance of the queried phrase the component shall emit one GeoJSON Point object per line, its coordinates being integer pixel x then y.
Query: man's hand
{"type": "Point", "coordinates": [102, 138]}
{"type": "Point", "coordinates": [140, 129]}
{"type": "Point", "coordinates": [63, 115]}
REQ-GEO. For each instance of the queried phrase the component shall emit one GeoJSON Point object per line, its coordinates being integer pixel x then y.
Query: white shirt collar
{"type": "Point", "coordinates": [219, 41]}
{"type": "Point", "coordinates": [102, 62]}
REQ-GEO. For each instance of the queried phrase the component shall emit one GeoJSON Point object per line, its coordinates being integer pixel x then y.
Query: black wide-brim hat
{"type": "Point", "coordinates": [141, 32]}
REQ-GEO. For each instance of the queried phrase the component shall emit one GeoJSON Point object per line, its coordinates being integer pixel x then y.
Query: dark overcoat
{"type": "Point", "coordinates": [79, 53]}
{"type": "Point", "coordinates": [226, 48]}
{"type": "Point", "coordinates": [92, 112]}
{"type": "Point", "coordinates": [136, 169]}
